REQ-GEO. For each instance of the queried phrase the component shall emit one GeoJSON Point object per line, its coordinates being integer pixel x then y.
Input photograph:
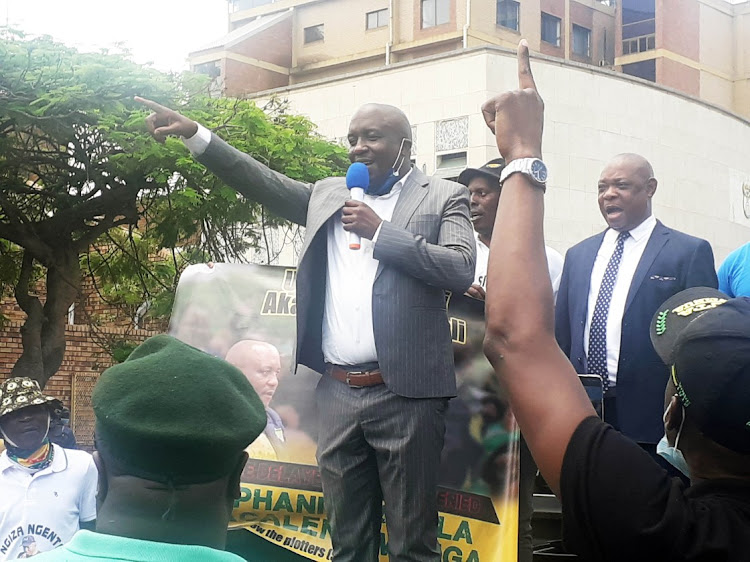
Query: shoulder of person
{"type": "Point", "coordinates": [682, 237]}
{"type": "Point", "coordinates": [328, 183]}
{"type": "Point", "coordinates": [76, 457]}
{"type": "Point", "coordinates": [590, 244]}
{"type": "Point", "coordinates": [449, 187]}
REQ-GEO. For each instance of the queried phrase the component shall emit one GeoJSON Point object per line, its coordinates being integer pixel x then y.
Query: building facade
{"type": "Point", "coordinates": [699, 47]}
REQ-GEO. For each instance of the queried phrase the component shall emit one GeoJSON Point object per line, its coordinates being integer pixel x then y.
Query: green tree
{"type": "Point", "coordinates": [84, 191]}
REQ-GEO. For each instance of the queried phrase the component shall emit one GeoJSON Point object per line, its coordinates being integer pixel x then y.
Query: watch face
{"type": "Point", "coordinates": [539, 171]}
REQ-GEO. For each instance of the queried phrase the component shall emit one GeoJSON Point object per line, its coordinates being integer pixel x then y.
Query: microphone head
{"type": "Point", "coordinates": [358, 176]}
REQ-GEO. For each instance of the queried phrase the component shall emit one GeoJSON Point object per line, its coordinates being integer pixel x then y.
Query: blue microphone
{"type": "Point", "coordinates": [357, 181]}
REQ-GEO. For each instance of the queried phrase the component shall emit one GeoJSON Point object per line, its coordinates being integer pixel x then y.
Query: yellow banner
{"type": "Point", "coordinates": [282, 501]}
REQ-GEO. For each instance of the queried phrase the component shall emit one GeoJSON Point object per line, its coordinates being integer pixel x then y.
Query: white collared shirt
{"type": "Point", "coordinates": [632, 252]}
{"type": "Point", "coordinates": [48, 504]}
{"type": "Point", "coordinates": [348, 335]}
{"type": "Point", "coordinates": [554, 265]}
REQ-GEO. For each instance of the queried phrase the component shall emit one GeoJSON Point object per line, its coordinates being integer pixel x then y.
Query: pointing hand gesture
{"type": "Point", "coordinates": [164, 121]}
{"type": "Point", "coordinates": [517, 118]}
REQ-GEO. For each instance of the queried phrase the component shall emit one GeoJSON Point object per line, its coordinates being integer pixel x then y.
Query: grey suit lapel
{"type": "Point", "coordinates": [659, 237]}
{"type": "Point", "coordinates": [411, 196]}
{"type": "Point", "coordinates": [324, 204]}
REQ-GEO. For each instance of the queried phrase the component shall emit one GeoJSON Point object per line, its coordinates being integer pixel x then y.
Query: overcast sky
{"type": "Point", "coordinates": [159, 31]}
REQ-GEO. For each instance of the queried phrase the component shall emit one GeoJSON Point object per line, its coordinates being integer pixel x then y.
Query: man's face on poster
{"type": "Point", "coordinates": [260, 362]}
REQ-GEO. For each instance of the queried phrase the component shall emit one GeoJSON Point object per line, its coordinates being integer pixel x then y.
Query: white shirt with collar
{"type": "Point", "coordinates": [48, 504]}
{"type": "Point", "coordinates": [555, 263]}
{"type": "Point", "coordinates": [348, 335]}
{"type": "Point", "coordinates": [632, 252]}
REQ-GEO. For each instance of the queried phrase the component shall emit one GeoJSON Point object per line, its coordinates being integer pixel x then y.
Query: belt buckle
{"type": "Point", "coordinates": [348, 381]}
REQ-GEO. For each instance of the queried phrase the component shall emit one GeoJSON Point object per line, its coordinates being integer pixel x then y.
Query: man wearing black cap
{"type": "Point", "coordinates": [618, 504]}
{"type": "Point", "coordinates": [172, 424]}
{"type": "Point", "coordinates": [484, 189]}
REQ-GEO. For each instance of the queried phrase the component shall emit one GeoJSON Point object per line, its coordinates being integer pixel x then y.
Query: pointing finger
{"type": "Point", "coordinates": [152, 105]}
{"type": "Point", "coordinates": [525, 78]}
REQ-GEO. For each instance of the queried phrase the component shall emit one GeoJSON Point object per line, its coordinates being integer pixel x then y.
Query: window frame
{"type": "Point", "coordinates": [376, 13]}
{"type": "Point", "coordinates": [588, 42]}
{"type": "Point", "coordinates": [307, 37]}
{"type": "Point", "coordinates": [558, 21]}
{"type": "Point", "coordinates": [435, 9]}
{"type": "Point", "coordinates": [506, 3]}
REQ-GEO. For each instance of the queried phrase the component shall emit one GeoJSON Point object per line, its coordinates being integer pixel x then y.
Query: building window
{"type": "Point", "coordinates": [211, 69]}
{"type": "Point", "coordinates": [452, 160]}
{"type": "Point", "coordinates": [645, 69]}
{"type": "Point", "coordinates": [435, 12]}
{"type": "Point", "coordinates": [377, 19]}
{"type": "Point", "coordinates": [314, 33]}
{"type": "Point", "coordinates": [508, 14]}
{"type": "Point", "coordinates": [638, 26]}
{"type": "Point", "coordinates": [581, 41]}
{"type": "Point", "coordinates": [550, 29]}
{"type": "Point", "coordinates": [639, 45]}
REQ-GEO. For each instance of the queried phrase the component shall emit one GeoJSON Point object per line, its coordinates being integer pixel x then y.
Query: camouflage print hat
{"type": "Point", "coordinates": [20, 392]}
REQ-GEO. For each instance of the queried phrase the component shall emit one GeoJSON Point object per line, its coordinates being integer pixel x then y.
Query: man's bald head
{"type": "Point", "coordinates": [389, 114]}
{"type": "Point", "coordinates": [634, 162]}
{"type": "Point", "coordinates": [626, 186]}
{"type": "Point", "coordinates": [380, 138]}
{"type": "Point", "coordinates": [260, 362]}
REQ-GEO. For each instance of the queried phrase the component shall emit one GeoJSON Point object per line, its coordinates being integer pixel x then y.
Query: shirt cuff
{"type": "Point", "coordinates": [375, 238]}
{"type": "Point", "coordinates": [198, 143]}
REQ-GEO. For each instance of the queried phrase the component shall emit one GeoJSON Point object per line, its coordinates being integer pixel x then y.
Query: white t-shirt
{"type": "Point", "coordinates": [554, 265]}
{"type": "Point", "coordinates": [47, 505]}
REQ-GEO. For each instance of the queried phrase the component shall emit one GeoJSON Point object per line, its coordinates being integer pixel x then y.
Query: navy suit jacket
{"type": "Point", "coordinates": [672, 261]}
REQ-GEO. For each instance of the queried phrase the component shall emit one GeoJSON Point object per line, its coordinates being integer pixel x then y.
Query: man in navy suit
{"type": "Point", "coordinates": [611, 286]}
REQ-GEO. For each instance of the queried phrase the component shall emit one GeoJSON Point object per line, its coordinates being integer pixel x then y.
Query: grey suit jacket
{"type": "Point", "coordinates": [426, 247]}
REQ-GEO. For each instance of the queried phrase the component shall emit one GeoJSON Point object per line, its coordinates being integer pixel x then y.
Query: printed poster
{"type": "Point", "coordinates": [246, 315]}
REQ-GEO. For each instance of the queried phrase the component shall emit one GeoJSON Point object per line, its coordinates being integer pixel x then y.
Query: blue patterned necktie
{"type": "Point", "coordinates": [597, 357]}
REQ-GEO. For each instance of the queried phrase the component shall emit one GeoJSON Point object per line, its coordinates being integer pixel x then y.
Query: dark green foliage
{"type": "Point", "coordinates": [84, 191]}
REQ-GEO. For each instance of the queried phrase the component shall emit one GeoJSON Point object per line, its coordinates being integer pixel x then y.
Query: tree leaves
{"type": "Point", "coordinates": [79, 173]}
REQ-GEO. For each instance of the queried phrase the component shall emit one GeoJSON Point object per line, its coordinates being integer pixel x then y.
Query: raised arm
{"type": "Point", "coordinates": [281, 195]}
{"type": "Point", "coordinates": [545, 394]}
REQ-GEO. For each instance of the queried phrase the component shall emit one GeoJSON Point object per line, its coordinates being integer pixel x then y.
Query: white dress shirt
{"type": "Point", "coordinates": [348, 336]}
{"type": "Point", "coordinates": [632, 252]}
{"type": "Point", "coordinates": [554, 265]}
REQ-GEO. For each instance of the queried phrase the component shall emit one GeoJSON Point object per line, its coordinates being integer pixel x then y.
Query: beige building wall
{"type": "Point", "coordinates": [699, 153]}
{"type": "Point", "coordinates": [344, 27]}
{"type": "Point", "coordinates": [742, 59]}
{"type": "Point", "coordinates": [717, 53]}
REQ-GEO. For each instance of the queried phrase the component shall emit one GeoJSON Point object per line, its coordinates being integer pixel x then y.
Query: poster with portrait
{"type": "Point", "coordinates": [246, 315]}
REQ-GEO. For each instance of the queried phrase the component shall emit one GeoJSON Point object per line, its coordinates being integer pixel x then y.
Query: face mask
{"type": "Point", "coordinates": [392, 178]}
{"type": "Point", "coordinates": [672, 454]}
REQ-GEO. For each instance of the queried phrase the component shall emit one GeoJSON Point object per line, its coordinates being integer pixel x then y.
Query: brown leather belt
{"type": "Point", "coordinates": [355, 379]}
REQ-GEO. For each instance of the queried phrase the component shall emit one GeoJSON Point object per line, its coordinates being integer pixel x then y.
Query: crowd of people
{"type": "Point", "coordinates": [665, 474]}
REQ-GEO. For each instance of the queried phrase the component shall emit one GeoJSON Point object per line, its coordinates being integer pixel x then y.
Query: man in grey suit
{"type": "Point", "coordinates": [373, 321]}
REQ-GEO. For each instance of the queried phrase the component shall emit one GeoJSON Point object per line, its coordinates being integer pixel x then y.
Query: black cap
{"type": "Point", "coordinates": [491, 169]}
{"type": "Point", "coordinates": [705, 338]}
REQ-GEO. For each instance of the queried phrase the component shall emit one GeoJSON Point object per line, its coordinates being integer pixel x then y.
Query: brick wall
{"type": "Point", "coordinates": [85, 358]}
{"type": "Point", "coordinates": [83, 362]}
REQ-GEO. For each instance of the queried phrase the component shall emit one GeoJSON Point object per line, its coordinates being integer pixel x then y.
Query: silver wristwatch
{"type": "Point", "coordinates": [534, 168]}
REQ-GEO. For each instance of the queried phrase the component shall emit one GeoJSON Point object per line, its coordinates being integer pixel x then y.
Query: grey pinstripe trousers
{"type": "Point", "coordinates": [374, 445]}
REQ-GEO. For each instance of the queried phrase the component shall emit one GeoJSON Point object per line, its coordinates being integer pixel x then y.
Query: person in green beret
{"type": "Point", "coordinates": [172, 425]}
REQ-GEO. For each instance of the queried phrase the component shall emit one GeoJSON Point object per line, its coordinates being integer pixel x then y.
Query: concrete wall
{"type": "Point", "coordinates": [699, 153]}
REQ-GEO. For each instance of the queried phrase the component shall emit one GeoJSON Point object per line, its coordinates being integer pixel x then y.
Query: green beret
{"type": "Point", "coordinates": [172, 413]}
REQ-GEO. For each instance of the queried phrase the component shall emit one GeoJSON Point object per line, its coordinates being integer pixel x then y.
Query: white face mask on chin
{"type": "Point", "coordinates": [671, 453]}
